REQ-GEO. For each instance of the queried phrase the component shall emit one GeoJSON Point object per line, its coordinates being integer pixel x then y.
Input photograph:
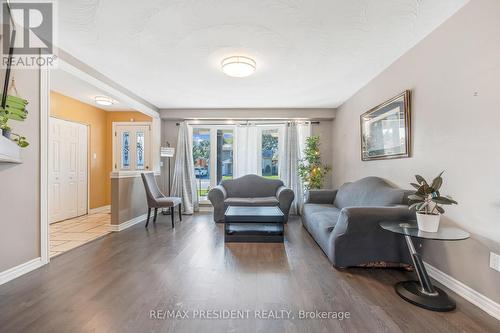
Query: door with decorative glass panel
{"type": "Point", "coordinates": [131, 142]}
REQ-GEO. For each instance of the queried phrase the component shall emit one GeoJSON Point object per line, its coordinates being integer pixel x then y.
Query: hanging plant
{"type": "Point", "coordinates": [15, 109]}
{"type": "Point", "coordinates": [311, 170]}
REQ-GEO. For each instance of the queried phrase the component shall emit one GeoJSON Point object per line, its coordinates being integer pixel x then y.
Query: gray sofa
{"type": "Point", "coordinates": [345, 222]}
{"type": "Point", "coordinates": [250, 190]}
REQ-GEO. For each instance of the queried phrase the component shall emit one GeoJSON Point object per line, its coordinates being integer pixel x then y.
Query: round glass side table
{"type": "Point", "coordinates": [422, 292]}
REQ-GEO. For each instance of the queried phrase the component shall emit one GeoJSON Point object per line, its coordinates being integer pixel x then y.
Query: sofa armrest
{"type": "Point", "coordinates": [285, 198]}
{"type": "Point", "coordinates": [285, 195]}
{"type": "Point", "coordinates": [217, 195]}
{"type": "Point", "coordinates": [321, 196]}
{"type": "Point", "coordinates": [367, 219]}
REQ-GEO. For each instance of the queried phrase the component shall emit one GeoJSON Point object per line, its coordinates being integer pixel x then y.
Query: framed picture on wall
{"type": "Point", "coordinates": [385, 129]}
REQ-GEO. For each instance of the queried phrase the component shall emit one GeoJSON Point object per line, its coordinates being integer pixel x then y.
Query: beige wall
{"type": "Point", "coordinates": [128, 200]}
{"type": "Point", "coordinates": [20, 183]}
{"type": "Point", "coordinates": [453, 130]}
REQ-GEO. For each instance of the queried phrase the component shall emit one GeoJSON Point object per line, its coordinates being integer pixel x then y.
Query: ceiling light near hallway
{"type": "Point", "coordinates": [104, 101]}
{"type": "Point", "coordinates": [238, 66]}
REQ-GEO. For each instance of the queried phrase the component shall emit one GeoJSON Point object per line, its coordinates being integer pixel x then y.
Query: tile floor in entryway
{"type": "Point", "coordinates": [69, 234]}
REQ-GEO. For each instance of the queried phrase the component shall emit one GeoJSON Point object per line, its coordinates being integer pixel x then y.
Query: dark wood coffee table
{"type": "Point", "coordinates": [257, 224]}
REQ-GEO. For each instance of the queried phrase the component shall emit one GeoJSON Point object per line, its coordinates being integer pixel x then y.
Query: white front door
{"type": "Point", "coordinates": [67, 169]}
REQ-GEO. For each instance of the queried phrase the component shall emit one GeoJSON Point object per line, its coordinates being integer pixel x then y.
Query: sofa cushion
{"type": "Point", "coordinates": [263, 201]}
{"type": "Point", "coordinates": [369, 191]}
{"type": "Point", "coordinates": [235, 201]}
{"type": "Point", "coordinates": [266, 201]}
{"type": "Point", "coordinates": [322, 217]}
{"type": "Point", "coordinates": [320, 221]}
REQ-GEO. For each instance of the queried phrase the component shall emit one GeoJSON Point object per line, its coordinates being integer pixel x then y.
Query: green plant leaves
{"type": "Point", "coordinates": [427, 198]}
{"type": "Point", "coordinates": [440, 209]}
{"type": "Point", "coordinates": [311, 170]}
{"type": "Point", "coordinates": [437, 182]}
{"type": "Point", "coordinates": [420, 180]}
{"type": "Point", "coordinates": [417, 186]}
{"type": "Point", "coordinates": [444, 201]}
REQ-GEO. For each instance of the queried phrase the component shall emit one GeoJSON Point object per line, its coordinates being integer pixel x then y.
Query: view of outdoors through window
{"type": "Point", "coordinates": [210, 172]}
{"type": "Point", "coordinates": [224, 154]}
{"type": "Point", "coordinates": [270, 167]}
{"type": "Point", "coordinates": [201, 158]}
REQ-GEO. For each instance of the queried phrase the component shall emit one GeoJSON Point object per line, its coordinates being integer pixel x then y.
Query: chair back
{"type": "Point", "coordinates": [151, 186]}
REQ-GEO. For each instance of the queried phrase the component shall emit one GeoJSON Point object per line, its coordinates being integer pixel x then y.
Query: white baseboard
{"type": "Point", "coordinates": [19, 270]}
{"type": "Point", "coordinates": [487, 305]}
{"type": "Point", "coordinates": [128, 224]}
{"type": "Point", "coordinates": [99, 209]}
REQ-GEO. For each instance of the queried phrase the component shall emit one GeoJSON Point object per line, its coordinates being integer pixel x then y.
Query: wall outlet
{"type": "Point", "coordinates": [495, 261]}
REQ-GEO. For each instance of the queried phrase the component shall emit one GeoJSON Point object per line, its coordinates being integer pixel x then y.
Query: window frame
{"type": "Point", "coordinates": [279, 130]}
{"type": "Point", "coordinates": [213, 148]}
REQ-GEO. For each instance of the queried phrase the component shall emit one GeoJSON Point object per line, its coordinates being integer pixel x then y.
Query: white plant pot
{"type": "Point", "coordinates": [428, 222]}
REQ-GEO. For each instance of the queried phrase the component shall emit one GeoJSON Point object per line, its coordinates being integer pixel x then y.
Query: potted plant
{"type": "Point", "coordinates": [15, 109]}
{"type": "Point", "coordinates": [428, 202]}
{"type": "Point", "coordinates": [4, 127]}
{"type": "Point", "coordinates": [311, 170]}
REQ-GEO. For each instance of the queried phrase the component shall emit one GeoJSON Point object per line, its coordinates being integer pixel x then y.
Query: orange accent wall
{"type": "Point", "coordinates": [100, 133]}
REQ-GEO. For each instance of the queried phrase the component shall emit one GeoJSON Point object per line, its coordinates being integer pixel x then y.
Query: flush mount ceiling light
{"type": "Point", "coordinates": [104, 101]}
{"type": "Point", "coordinates": [238, 66]}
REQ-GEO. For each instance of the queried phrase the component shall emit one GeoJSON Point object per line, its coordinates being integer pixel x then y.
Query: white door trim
{"type": "Point", "coordinates": [44, 164]}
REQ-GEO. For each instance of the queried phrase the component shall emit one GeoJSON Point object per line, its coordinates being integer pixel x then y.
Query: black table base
{"type": "Point", "coordinates": [422, 292]}
{"type": "Point", "coordinates": [411, 291]}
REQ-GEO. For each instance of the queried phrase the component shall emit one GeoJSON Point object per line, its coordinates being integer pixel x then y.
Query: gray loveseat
{"type": "Point", "coordinates": [250, 190]}
{"type": "Point", "coordinates": [345, 222]}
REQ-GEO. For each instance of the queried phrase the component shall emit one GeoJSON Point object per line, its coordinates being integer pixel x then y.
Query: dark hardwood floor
{"type": "Point", "coordinates": [112, 284]}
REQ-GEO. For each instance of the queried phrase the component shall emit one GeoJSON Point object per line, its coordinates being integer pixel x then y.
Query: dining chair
{"type": "Point", "coordinates": [156, 199]}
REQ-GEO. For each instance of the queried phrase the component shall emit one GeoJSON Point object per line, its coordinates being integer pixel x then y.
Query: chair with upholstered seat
{"type": "Point", "coordinates": [156, 199]}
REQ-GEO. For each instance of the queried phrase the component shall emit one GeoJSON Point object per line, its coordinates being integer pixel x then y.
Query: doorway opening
{"type": "Point", "coordinates": [72, 222]}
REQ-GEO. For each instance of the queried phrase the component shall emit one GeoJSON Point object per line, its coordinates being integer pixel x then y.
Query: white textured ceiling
{"type": "Point", "coordinates": [309, 53]}
{"type": "Point", "coordinates": [69, 85]}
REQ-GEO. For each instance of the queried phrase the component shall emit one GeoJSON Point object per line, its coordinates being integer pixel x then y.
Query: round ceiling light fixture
{"type": "Point", "coordinates": [238, 66]}
{"type": "Point", "coordinates": [104, 101]}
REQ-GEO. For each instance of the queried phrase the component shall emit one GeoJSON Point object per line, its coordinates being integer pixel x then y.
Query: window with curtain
{"type": "Point", "coordinates": [226, 151]}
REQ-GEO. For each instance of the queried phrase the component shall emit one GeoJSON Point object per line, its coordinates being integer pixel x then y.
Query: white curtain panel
{"type": "Point", "coordinates": [247, 150]}
{"type": "Point", "coordinates": [294, 138]}
{"type": "Point", "coordinates": [303, 132]}
{"type": "Point", "coordinates": [184, 181]}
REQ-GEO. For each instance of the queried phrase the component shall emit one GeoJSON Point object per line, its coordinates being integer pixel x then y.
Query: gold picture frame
{"type": "Point", "coordinates": [386, 129]}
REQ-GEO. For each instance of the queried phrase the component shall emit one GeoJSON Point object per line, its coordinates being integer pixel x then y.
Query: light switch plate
{"type": "Point", "coordinates": [495, 261]}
